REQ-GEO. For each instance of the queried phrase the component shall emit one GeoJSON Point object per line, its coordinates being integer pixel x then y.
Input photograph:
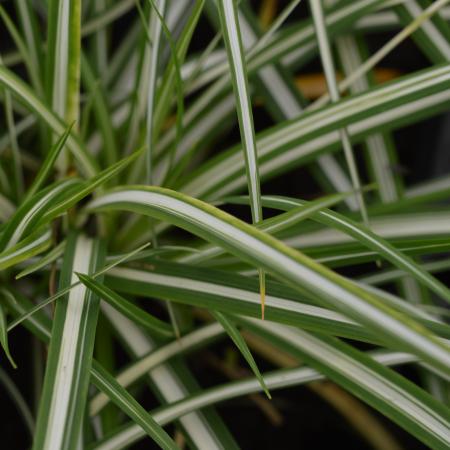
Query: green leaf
{"type": "Point", "coordinates": [273, 225]}
{"type": "Point", "coordinates": [147, 363]}
{"type": "Point", "coordinates": [90, 186]}
{"type": "Point", "coordinates": [128, 404]}
{"type": "Point", "coordinates": [67, 289]}
{"type": "Point", "coordinates": [288, 265]}
{"type": "Point", "coordinates": [40, 325]}
{"type": "Point", "coordinates": [8, 79]}
{"type": "Point", "coordinates": [232, 36]}
{"type": "Point", "coordinates": [292, 143]}
{"type": "Point", "coordinates": [395, 396]}
{"type": "Point", "coordinates": [4, 336]}
{"type": "Point", "coordinates": [233, 332]}
{"type": "Point", "coordinates": [275, 380]}
{"type": "Point", "coordinates": [172, 382]}
{"type": "Point", "coordinates": [48, 163]}
{"type": "Point", "coordinates": [236, 294]}
{"type": "Point", "coordinates": [32, 245]}
{"type": "Point", "coordinates": [330, 75]}
{"type": "Point", "coordinates": [370, 239]}
{"type": "Point", "coordinates": [47, 259]}
{"type": "Point", "coordinates": [70, 353]}
{"type": "Point", "coordinates": [128, 309]}
{"type": "Point", "coordinates": [27, 216]}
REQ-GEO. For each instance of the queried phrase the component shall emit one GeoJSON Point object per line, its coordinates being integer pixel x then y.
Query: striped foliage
{"type": "Point", "coordinates": [176, 210]}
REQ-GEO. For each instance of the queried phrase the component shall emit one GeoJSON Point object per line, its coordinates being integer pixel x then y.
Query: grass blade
{"type": "Point", "coordinates": [233, 333]}
{"type": "Point", "coordinates": [63, 63]}
{"type": "Point", "coordinates": [290, 266]}
{"type": "Point", "coordinates": [173, 383]}
{"type": "Point", "coordinates": [32, 245]}
{"type": "Point", "coordinates": [48, 163]}
{"type": "Point", "coordinates": [4, 337]}
{"type": "Point", "coordinates": [70, 353]}
{"type": "Point", "coordinates": [24, 93]}
{"type": "Point", "coordinates": [374, 242]}
{"type": "Point", "coordinates": [127, 403]}
{"type": "Point", "coordinates": [40, 325]}
{"type": "Point", "coordinates": [277, 379]}
{"type": "Point", "coordinates": [90, 186]}
{"type": "Point", "coordinates": [237, 294]}
{"type": "Point", "coordinates": [127, 308]}
{"type": "Point", "coordinates": [391, 394]}
{"type": "Point", "coordinates": [232, 36]}
{"type": "Point", "coordinates": [328, 65]}
{"type": "Point", "coordinates": [47, 259]}
{"type": "Point", "coordinates": [142, 366]}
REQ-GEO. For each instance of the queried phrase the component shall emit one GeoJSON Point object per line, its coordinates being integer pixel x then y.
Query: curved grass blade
{"type": "Point", "coordinates": [275, 380]}
{"type": "Point", "coordinates": [402, 401]}
{"type": "Point", "coordinates": [300, 140]}
{"type": "Point", "coordinates": [278, 379]}
{"type": "Point", "coordinates": [31, 211]}
{"type": "Point", "coordinates": [273, 225]}
{"type": "Point", "coordinates": [90, 186]}
{"type": "Point", "coordinates": [47, 259]}
{"type": "Point", "coordinates": [237, 294]}
{"type": "Point", "coordinates": [37, 242]}
{"type": "Point", "coordinates": [288, 265]}
{"type": "Point", "coordinates": [40, 325]}
{"type": "Point", "coordinates": [8, 79]}
{"type": "Point", "coordinates": [371, 240]}
{"type": "Point", "coordinates": [128, 309]}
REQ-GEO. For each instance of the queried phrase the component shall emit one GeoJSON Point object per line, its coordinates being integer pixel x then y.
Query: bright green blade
{"type": "Point", "coordinates": [127, 308]}
{"type": "Point", "coordinates": [236, 337]}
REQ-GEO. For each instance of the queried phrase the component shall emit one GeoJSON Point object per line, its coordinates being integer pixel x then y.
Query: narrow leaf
{"type": "Point", "coordinates": [70, 353]}
{"type": "Point", "coordinates": [4, 337]}
{"type": "Point", "coordinates": [232, 36]}
{"type": "Point", "coordinates": [128, 309]}
{"type": "Point", "coordinates": [240, 343]}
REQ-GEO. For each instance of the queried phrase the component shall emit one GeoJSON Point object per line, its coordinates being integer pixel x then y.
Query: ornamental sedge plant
{"type": "Point", "coordinates": [179, 208]}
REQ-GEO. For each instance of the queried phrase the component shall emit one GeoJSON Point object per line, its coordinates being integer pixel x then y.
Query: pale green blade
{"type": "Point", "coordinates": [290, 266]}
{"type": "Point", "coordinates": [70, 354]}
